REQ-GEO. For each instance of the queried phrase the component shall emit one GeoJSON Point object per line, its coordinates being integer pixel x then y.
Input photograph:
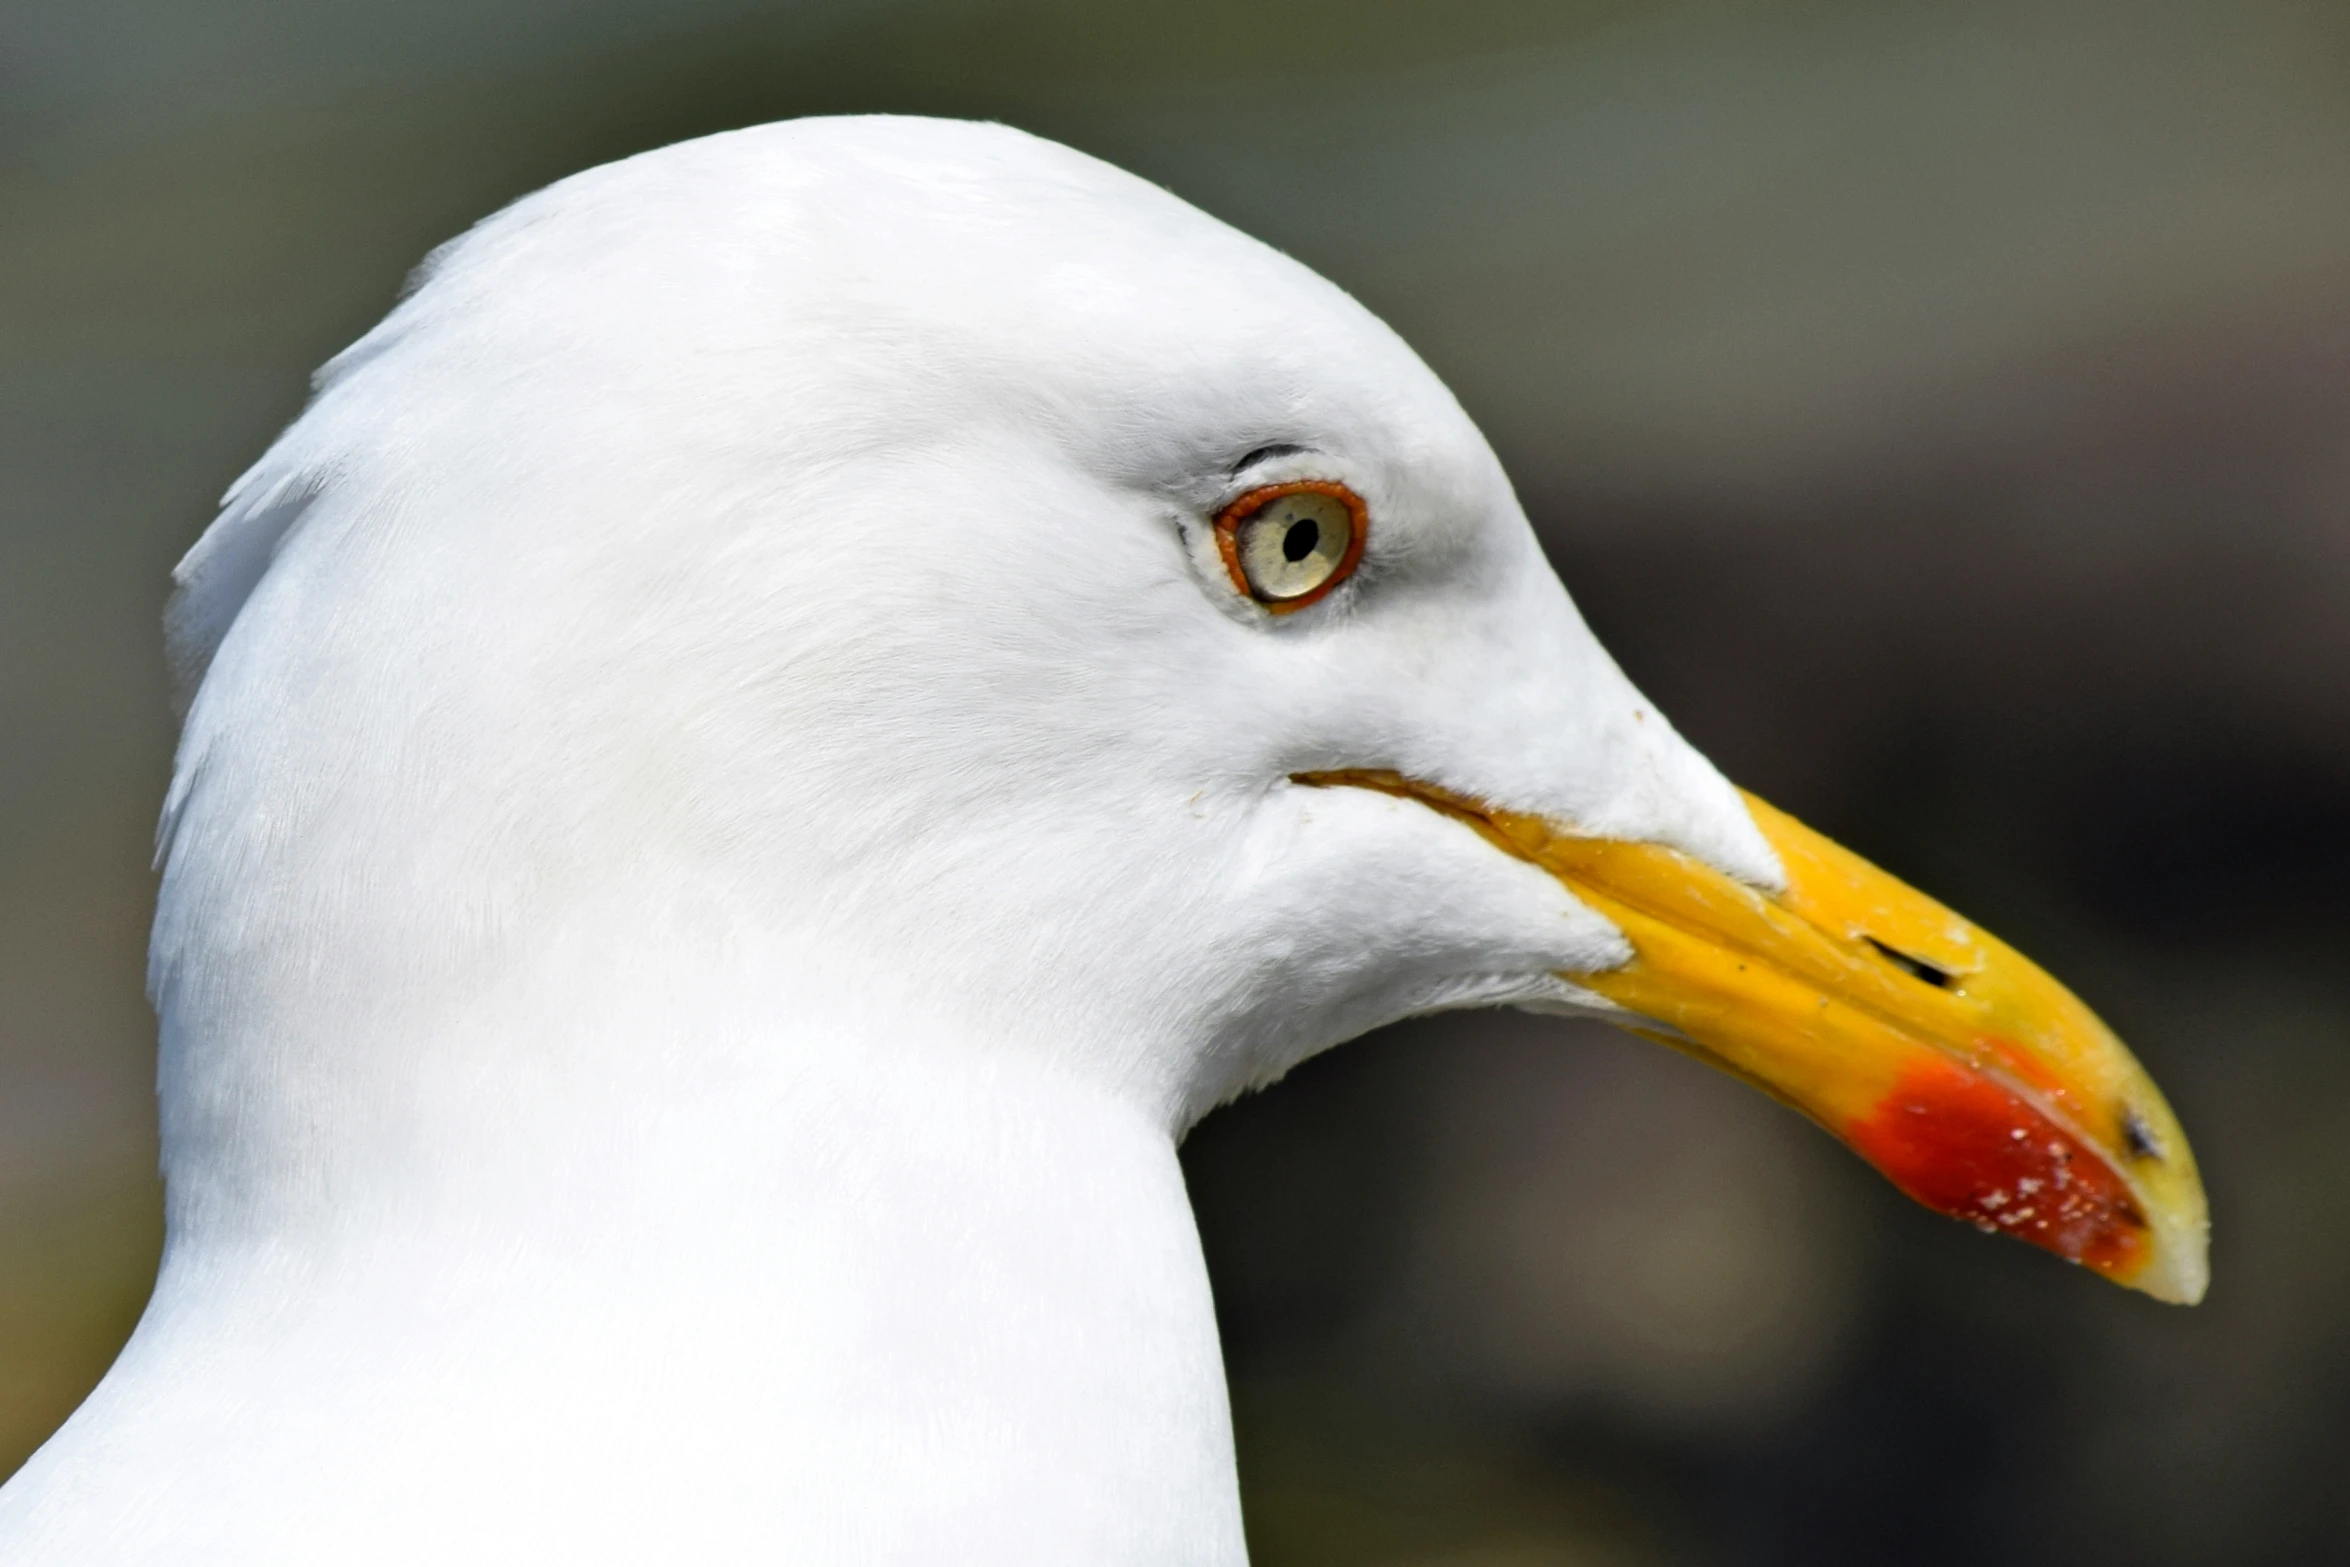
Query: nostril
{"type": "Point", "coordinates": [1915, 968]}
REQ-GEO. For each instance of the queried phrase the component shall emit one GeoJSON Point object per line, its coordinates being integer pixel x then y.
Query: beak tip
{"type": "Point", "coordinates": [2179, 1273]}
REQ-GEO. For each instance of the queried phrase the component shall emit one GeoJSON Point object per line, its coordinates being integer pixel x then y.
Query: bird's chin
{"type": "Point", "coordinates": [1959, 1068]}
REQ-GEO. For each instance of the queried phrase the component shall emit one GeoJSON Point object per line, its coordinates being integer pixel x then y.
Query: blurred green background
{"type": "Point", "coordinates": [1942, 411]}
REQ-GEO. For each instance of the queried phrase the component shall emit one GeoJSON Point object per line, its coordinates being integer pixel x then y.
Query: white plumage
{"type": "Point", "coordinates": [729, 817]}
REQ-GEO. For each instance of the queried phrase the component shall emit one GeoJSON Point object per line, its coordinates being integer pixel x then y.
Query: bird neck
{"type": "Point", "coordinates": [828, 1287]}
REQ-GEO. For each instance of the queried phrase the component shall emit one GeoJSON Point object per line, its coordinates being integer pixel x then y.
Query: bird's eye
{"type": "Point", "coordinates": [1288, 544]}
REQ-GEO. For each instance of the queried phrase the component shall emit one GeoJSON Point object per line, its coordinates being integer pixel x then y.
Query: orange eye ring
{"type": "Point", "coordinates": [1249, 508]}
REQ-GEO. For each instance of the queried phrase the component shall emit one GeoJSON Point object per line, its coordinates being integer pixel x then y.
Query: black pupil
{"type": "Point", "coordinates": [1300, 540]}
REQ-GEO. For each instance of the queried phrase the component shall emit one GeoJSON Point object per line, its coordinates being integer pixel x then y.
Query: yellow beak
{"type": "Point", "coordinates": [1978, 1084]}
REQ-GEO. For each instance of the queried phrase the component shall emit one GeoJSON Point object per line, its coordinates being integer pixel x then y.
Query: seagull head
{"type": "Point", "coordinates": [962, 583]}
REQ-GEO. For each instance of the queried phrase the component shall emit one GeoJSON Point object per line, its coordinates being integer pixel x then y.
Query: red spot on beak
{"type": "Point", "coordinates": [1969, 1146]}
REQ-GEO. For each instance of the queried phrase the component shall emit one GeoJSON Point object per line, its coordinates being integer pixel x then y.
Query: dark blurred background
{"type": "Point", "coordinates": [1941, 410]}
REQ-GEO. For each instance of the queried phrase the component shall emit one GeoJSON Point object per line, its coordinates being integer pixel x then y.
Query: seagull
{"type": "Point", "coordinates": [773, 736]}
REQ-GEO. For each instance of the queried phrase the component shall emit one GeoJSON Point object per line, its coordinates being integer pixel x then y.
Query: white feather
{"type": "Point", "coordinates": [728, 821]}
